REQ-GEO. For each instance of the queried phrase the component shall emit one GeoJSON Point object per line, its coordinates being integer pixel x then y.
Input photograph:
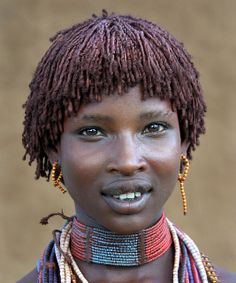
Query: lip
{"type": "Point", "coordinates": [126, 186]}
{"type": "Point", "coordinates": [128, 206]}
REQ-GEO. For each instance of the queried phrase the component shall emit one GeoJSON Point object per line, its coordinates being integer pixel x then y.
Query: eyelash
{"type": "Point", "coordinates": [160, 124]}
{"type": "Point", "coordinates": [99, 132]}
{"type": "Point", "coordinates": [86, 129]}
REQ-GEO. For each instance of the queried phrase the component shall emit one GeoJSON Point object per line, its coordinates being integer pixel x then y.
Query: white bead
{"type": "Point", "coordinates": [177, 252]}
{"type": "Point", "coordinates": [195, 254]}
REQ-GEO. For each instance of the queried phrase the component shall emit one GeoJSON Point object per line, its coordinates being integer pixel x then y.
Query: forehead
{"type": "Point", "coordinates": [127, 106]}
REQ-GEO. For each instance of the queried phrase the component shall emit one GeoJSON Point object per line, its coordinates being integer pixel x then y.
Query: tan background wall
{"type": "Point", "coordinates": [208, 29]}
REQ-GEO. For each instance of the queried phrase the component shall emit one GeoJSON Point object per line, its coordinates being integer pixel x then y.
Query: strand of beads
{"type": "Point", "coordinates": [64, 243]}
{"type": "Point", "coordinates": [177, 251]}
{"type": "Point", "coordinates": [65, 269]}
{"type": "Point", "coordinates": [182, 178]}
{"type": "Point", "coordinates": [76, 269]}
{"type": "Point", "coordinates": [109, 248]}
{"type": "Point", "coordinates": [195, 254]}
{"type": "Point", "coordinates": [209, 269]}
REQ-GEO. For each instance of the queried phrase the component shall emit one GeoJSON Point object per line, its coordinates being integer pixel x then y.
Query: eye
{"type": "Point", "coordinates": [155, 128]}
{"type": "Point", "coordinates": [91, 132]}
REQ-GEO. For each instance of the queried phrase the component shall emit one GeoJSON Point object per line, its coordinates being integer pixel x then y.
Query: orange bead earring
{"type": "Point", "coordinates": [181, 178]}
{"type": "Point", "coordinates": [56, 180]}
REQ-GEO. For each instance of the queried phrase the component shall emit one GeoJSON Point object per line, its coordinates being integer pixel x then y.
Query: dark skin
{"type": "Point", "coordinates": [115, 145]}
{"type": "Point", "coordinates": [120, 143]}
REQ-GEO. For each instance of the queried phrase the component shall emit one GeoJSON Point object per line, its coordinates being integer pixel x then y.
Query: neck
{"type": "Point", "coordinates": [101, 246]}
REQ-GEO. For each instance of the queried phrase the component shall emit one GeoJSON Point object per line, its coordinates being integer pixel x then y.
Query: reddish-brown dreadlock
{"type": "Point", "coordinates": [98, 57]}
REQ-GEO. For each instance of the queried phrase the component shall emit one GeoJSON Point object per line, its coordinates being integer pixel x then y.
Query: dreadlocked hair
{"type": "Point", "coordinates": [97, 57]}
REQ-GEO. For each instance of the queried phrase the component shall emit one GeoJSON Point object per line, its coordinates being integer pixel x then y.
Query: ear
{"type": "Point", "coordinates": [53, 155]}
{"type": "Point", "coordinates": [184, 149]}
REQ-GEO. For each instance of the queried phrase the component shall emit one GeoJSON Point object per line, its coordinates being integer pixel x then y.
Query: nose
{"type": "Point", "coordinates": [126, 157]}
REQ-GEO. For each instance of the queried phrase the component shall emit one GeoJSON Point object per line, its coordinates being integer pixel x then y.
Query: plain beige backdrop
{"type": "Point", "coordinates": [208, 29]}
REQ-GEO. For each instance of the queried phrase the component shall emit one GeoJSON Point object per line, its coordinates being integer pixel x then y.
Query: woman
{"type": "Point", "coordinates": [114, 113]}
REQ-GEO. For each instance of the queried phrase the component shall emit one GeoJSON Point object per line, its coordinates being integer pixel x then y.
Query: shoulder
{"type": "Point", "coordinates": [225, 276]}
{"type": "Point", "coordinates": [31, 277]}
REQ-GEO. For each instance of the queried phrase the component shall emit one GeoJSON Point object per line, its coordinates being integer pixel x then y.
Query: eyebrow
{"type": "Point", "coordinates": [96, 118]}
{"type": "Point", "coordinates": [108, 119]}
{"type": "Point", "coordinates": [155, 114]}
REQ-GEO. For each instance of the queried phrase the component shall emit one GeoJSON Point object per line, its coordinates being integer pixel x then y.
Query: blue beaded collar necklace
{"type": "Point", "coordinates": [95, 245]}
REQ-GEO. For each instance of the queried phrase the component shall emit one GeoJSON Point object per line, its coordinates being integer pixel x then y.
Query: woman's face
{"type": "Point", "coordinates": [120, 160]}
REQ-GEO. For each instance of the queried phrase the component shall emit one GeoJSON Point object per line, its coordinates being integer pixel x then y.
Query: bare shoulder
{"type": "Point", "coordinates": [225, 276]}
{"type": "Point", "coordinates": [31, 277]}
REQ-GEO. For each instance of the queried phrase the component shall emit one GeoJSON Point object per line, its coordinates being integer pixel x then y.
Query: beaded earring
{"type": "Point", "coordinates": [181, 178]}
{"type": "Point", "coordinates": [56, 180]}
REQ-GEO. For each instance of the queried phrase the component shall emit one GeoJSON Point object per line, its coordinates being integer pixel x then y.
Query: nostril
{"type": "Point", "coordinates": [126, 169]}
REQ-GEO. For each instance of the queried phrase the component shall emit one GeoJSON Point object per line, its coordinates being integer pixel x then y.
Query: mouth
{"type": "Point", "coordinates": [127, 197]}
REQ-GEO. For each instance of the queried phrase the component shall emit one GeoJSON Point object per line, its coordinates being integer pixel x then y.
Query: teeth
{"type": "Point", "coordinates": [123, 196]}
{"type": "Point", "coordinates": [137, 194]}
{"type": "Point", "coordinates": [128, 196]}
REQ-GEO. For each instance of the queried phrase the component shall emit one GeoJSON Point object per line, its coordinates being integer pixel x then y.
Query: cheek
{"type": "Point", "coordinates": [81, 164]}
{"type": "Point", "coordinates": [165, 162]}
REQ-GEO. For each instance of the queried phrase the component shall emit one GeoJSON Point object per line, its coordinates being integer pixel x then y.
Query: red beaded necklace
{"type": "Point", "coordinates": [95, 245]}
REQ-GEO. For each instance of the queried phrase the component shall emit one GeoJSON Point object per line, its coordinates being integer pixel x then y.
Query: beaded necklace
{"type": "Point", "coordinates": [57, 264]}
{"type": "Point", "coordinates": [101, 246]}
